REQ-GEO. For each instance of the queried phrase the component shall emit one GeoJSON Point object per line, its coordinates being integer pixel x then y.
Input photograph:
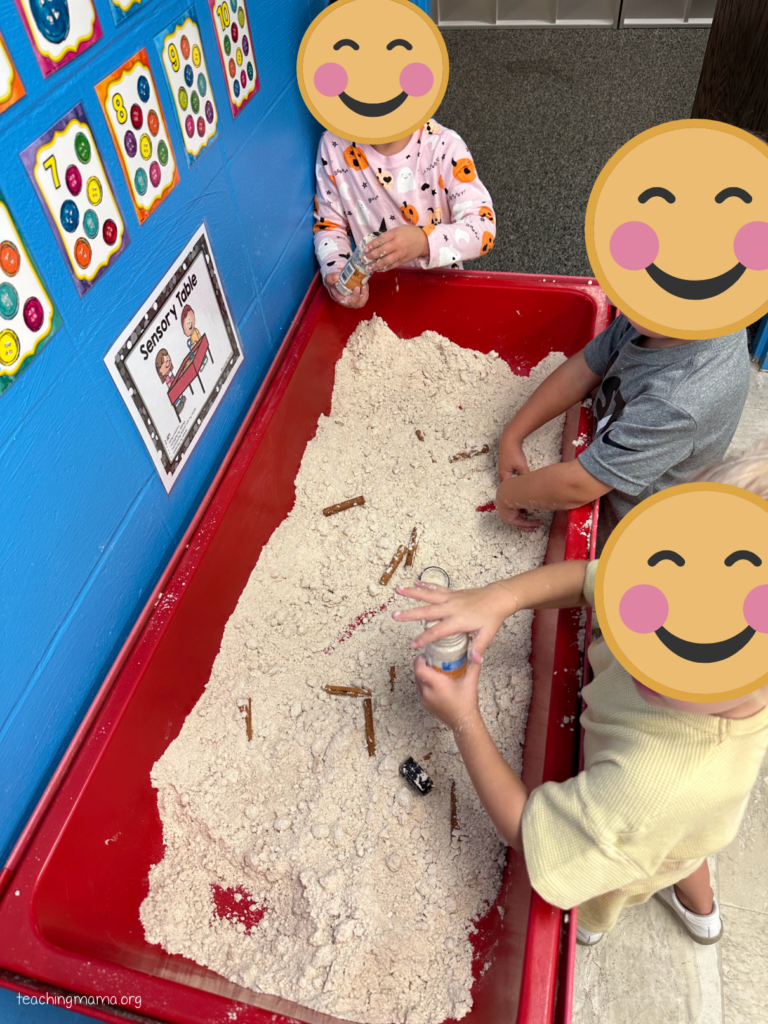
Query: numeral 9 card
{"type": "Point", "coordinates": [135, 118]}
{"type": "Point", "coordinates": [233, 34]}
{"type": "Point", "coordinates": [73, 186]}
{"type": "Point", "coordinates": [181, 51]}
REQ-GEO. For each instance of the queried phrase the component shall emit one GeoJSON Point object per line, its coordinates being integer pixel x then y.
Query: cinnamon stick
{"type": "Point", "coordinates": [427, 756]}
{"type": "Point", "coordinates": [348, 691]}
{"type": "Point", "coordinates": [370, 739]}
{"type": "Point", "coordinates": [392, 678]}
{"type": "Point", "coordinates": [343, 506]}
{"type": "Point", "coordinates": [393, 564]}
{"type": "Point", "coordinates": [454, 814]}
{"type": "Point", "coordinates": [248, 718]}
{"type": "Point", "coordinates": [419, 435]}
{"type": "Point", "coordinates": [412, 546]}
{"type": "Point", "coordinates": [470, 453]}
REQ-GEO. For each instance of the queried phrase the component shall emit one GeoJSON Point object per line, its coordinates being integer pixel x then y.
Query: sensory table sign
{"type": "Point", "coordinates": [175, 360]}
{"type": "Point", "coordinates": [28, 317]}
{"type": "Point", "coordinates": [11, 88]}
{"type": "Point", "coordinates": [181, 51]}
{"type": "Point", "coordinates": [72, 183]}
{"type": "Point", "coordinates": [233, 35]}
{"type": "Point", "coordinates": [137, 125]}
{"type": "Point", "coordinates": [59, 30]}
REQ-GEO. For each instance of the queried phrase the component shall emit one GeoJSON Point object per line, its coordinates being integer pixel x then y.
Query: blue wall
{"type": "Point", "coordinates": [89, 527]}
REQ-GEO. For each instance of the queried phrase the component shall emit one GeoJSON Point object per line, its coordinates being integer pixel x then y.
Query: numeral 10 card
{"type": "Point", "coordinates": [233, 34]}
{"type": "Point", "coordinates": [135, 118]}
{"type": "Point", "coordinates": [181, 50]}
{"type": "Point", "coordinates": [70, 179]}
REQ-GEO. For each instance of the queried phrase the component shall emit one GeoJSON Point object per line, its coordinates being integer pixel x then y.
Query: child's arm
{"type": "Point", "coordinates": [482, 610]}
{"type": "Point", "coordinates": [563, 485]}
{"type": "Point", "coordinates": [333, 246]}
{"type": "Point", "coordinates": [455, 702]}
{"type": "Point", "coordinates": [471, 230]}
{"type": "Point", "coordinates": [568, 384]}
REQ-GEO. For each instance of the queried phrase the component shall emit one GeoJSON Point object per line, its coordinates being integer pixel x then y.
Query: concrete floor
{"type": "Point", "coordinates": [648, 970]}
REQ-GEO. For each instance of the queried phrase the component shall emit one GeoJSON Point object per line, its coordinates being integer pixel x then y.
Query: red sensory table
{"type": "Point", "coordinates": [70, 893]}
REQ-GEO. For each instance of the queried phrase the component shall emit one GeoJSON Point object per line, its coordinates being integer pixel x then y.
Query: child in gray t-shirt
{"type": "Point", "coordinates": [665, 409]}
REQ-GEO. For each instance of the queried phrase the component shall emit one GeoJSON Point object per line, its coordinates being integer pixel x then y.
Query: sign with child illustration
{"type": "Point", "coordinates": [175, 360]}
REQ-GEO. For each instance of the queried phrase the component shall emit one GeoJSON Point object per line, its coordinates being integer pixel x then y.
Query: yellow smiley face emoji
{"type": "Point", "coordinates": [372, 70]}
{"type": "Point", "coordinates": [681, 592]}
{"type": "Point", "coordinates": [677, 229]}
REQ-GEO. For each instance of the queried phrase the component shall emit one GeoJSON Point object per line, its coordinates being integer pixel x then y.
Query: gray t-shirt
{"type": "Point", "coordinates": [661, 414]}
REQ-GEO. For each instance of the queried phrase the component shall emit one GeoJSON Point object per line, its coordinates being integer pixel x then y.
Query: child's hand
{"type": "Point", "coordinates": [354, 301]}
{"type": "Point", "coordinates": [511, 455]}
{"type": "Point", "coordinates": [396, 247]}
{"type": "Point", "coordinates": [453, 701]}
{"type": "Point", "coordinates": [518, 517]}
{"type": "Point", "coordinates": [480, 611]}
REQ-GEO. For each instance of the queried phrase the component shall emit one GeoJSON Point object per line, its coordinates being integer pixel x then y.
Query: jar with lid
{"type": "Point", "coordinates": [448, 655]}
{"type": "Point", "coordinates": [356, 271]}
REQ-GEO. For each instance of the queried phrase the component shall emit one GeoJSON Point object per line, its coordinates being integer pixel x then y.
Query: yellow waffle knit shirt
{"type": "Point", "coordinates": [661, 790]}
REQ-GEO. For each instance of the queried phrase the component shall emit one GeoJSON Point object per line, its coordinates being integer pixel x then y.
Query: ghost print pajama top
{"type": "Point", "coordinates": [432, 183]}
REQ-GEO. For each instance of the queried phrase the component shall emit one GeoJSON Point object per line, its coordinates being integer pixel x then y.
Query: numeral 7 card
{"type": "Point", "coordinates": [181, 50]}
{"type": "Point", "coordinates": [137, 125]}
{"type": "Point", "coordinates": [233, 34]}
{"type": "Point", "coordinates": [74, 188]}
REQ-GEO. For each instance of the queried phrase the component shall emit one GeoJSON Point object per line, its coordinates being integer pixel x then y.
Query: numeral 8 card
{"type": "Point", "coordinates": [28, 318]}
{"type": "Point", "coordinates": [73, 186]}
{"type": "Point", "coordinates": [135, 118]}
{"type": "Point", "coordinates": [181, 51]}
{"type": "Point", "coordinates": [233, 34]}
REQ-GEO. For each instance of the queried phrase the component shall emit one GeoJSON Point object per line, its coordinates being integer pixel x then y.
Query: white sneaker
{"type": "Point", "coordinates": [703, 928]}
{"type": "Point", "coordinates": [585, 938]}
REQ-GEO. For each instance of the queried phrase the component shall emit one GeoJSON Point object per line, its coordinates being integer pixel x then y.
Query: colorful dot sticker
{"type": "Point", "coordinates": [233, 35]}
{"type": "Point", "coordinates": [130, 93]}
{"type": "Point", "coordinates": [109, 232]}
{"type": "Point", "coordinates": [70, 179]}
{"type": "Point", "coordinates": [183, 58]}
{"type": "Point", "coordinates": [27, 315]}
{"type": "Point", "coordinates": [10, 260]}
{"type": "Point", "coordinates": [90, 223]}
{"type": "Point", "coordinates": [9, 301]}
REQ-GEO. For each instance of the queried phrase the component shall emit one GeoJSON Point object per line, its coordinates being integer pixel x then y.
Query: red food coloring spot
{"type": "Point", "coordinates": [227, 907]}
{"type": "Point", "coordinates": [362, 620]}
{"type": "Point", "coordinates": [490, 507]}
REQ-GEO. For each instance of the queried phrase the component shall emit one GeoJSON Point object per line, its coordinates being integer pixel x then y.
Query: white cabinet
{"type": "Point", "coordinates": [666, 13]}
{"type": "Point", "coordinates": [541, 13]}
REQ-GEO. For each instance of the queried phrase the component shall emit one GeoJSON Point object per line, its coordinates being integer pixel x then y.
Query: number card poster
{"type": "Point", "coordinates": [59, 30]}
{"type": "Point", "coordinates": [28, 318]}
{"type": "Point", "coordinates": [135, 118]}
{"type": "Point", "coordinates": [11, 88]}
{"type": "Point", "coordinates": [181, 51]}
{"type": "Point", "coordinates": [233, 35]}
{"type": "Point", "coordinates": [74, 188]}
{"type": "Point", "coordinates": [174, 362]}
{"type": "Point", "coordinates": [121, 9]}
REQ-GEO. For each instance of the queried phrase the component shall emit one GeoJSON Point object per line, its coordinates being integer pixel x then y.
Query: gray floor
{"type": "Point", "coordinates": [542, 111]}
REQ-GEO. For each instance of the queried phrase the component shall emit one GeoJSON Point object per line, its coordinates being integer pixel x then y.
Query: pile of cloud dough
{"type": "Point", "coordinates": [370, 900]}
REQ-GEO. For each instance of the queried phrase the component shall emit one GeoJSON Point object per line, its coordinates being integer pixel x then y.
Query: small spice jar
{"type": "Point", "coordinates": [448, 655]}
{"type": "Point", "coordinates": [355, 272]}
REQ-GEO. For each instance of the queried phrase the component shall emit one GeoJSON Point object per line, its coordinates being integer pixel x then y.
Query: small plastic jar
{"type": "Point", "coordinates": [355, 272]}
{"type": "Point", "coordinates": [448, 655]}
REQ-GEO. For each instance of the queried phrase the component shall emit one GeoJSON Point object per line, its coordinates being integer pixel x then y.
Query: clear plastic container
{"type": "Point", "coordinates": [355, 272]}
{"type": "Point", "coordinates": [448, 655]}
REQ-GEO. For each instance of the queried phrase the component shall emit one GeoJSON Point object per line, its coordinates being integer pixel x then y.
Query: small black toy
{"type": "Point", "coordinates": [415, 776]}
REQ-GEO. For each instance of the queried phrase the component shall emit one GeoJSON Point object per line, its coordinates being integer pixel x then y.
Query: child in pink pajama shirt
{"type": "Point", "coordinates": [421, 192]}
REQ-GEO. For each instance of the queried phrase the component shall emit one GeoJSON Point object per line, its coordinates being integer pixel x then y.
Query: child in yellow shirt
{"type": "Point", "coordinates": [665, 781]}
